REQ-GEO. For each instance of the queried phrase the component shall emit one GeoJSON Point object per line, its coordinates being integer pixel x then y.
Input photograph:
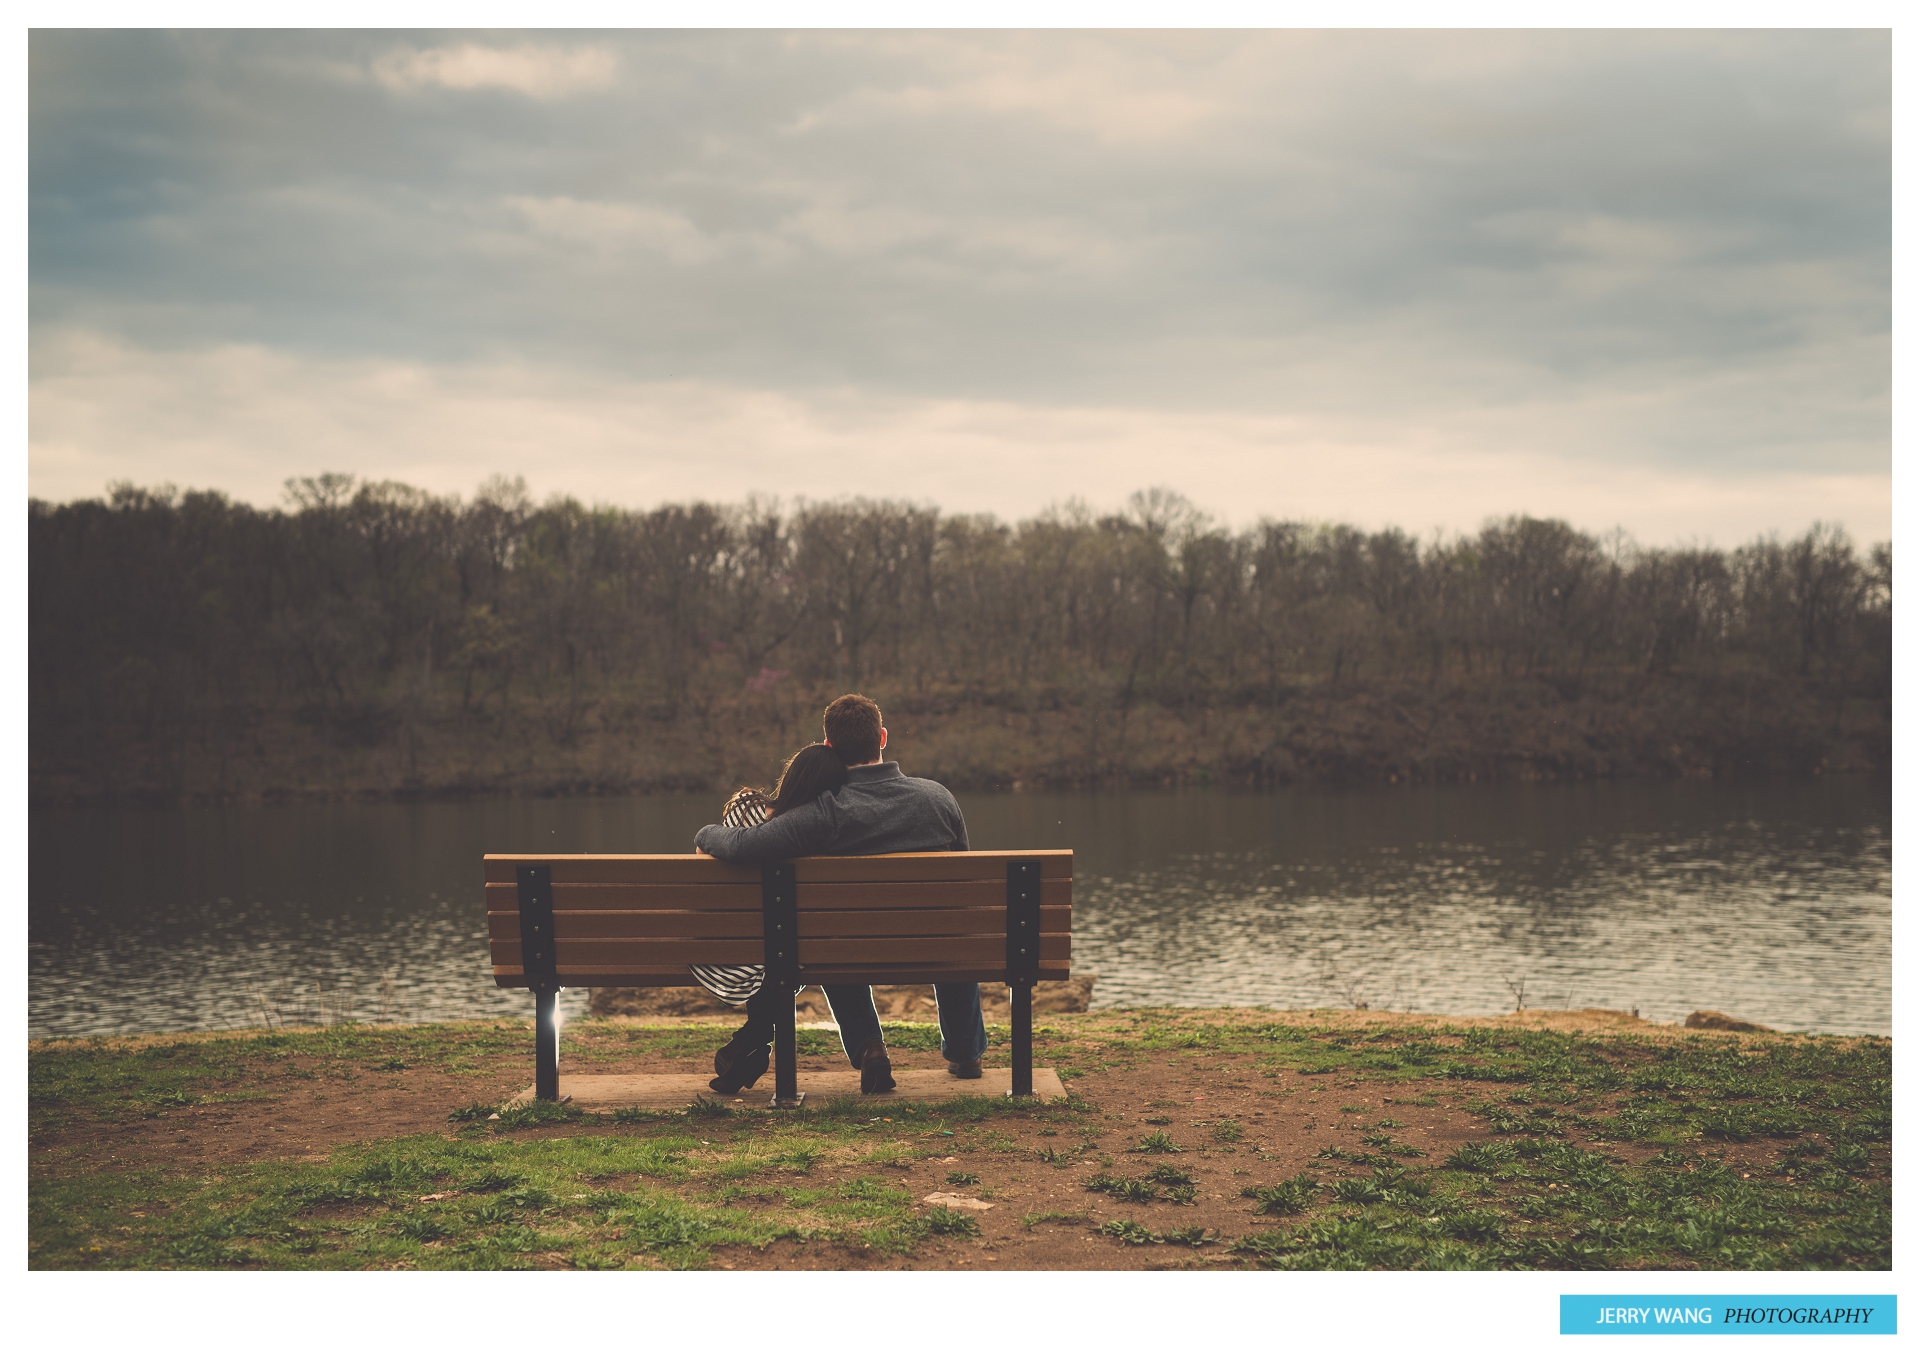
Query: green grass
{"type": "Point", "coordinates": [1594, 1152]}
{"type": "Point", "coordinates": [1547, 1204]}
{"type": "Point", "coordinates": [660, 1199]}
{"type": "Point", "coordinates": [633, 1188]}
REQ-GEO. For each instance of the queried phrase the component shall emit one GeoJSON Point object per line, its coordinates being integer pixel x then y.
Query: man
{"type": "Point", "coordinates": [878, 811]}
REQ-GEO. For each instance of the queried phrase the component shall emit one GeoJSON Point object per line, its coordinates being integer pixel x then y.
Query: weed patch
{"type": "Point", "coordinates": [950, 1223]}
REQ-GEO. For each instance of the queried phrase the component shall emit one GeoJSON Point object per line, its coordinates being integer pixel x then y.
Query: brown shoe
{"type": "Point", "coordinates": [964, 1069]}
{"type": "Point", "coordinates": [876, 1071]}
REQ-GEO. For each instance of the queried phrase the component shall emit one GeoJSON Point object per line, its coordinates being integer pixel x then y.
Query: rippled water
{"type": "Point", "coordinates": [1772, 902]}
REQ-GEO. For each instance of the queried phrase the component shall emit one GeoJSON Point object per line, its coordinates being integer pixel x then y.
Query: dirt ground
{"type": "Point", "coordinates": [1283, 1122]}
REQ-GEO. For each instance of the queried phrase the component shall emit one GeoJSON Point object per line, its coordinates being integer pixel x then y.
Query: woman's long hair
{"type": "Point", "coordinates": [809, 772]}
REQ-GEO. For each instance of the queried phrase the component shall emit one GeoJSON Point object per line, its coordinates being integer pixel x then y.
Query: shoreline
{"type": "Point", "coordinates": [1591, 1021]}
{"type": "Point", "coordinates": [364, 795]}
{"type": "Point", "coordinates": [39, 798]}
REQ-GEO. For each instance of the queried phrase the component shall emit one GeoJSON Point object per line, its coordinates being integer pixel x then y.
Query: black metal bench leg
{"type": "Point", "coordinates": [786, 1065]}
{"type": "Point", "coordinates": [1020, 994]}
{"type": "Point", "coordinates": [546, 1047]}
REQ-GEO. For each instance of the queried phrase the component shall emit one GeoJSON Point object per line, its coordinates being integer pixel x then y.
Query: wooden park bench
{"type": "Point", "coordinates": [638, 919]}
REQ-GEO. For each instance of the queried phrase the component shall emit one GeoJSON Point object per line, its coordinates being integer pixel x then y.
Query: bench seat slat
{"type": "Point", "coordinates": [984, 865]}
{"type": "Point", "coordinates": [580, 977]}
{"type": "Point", "coordinates": [639, 952]}
{"type": "Point", "coordinates": [986, 948]}
{"type": "Point", "coordinates": [638, 924]}
{"type": "Point", "coordinates": [504, 897]}
{"type": "Point", "coordinates": [569, 925]}
{"type": "Point", "coordinates": [980, 865]}
{"type": "Point", "coordinates": [613, 952]}
{"type": "Point", "coordinates": [903, 923]}
{"type": "Point", "coordinates": [901, 895]}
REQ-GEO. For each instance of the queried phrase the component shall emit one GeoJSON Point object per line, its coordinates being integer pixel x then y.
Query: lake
{"type": "Point", "coordinates": [1768, 901]}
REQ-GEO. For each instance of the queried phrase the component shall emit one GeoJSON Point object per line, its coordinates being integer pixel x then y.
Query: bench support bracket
{"type": "Point", "coordinates": [1020, 996]}
{"type": "Point", "coordinates": [786, 1066]}
{"type": "Point", "coordinates": [546, 1047]}
{"type": "Point", "coordinates": [1023, 964]}
{"type": "Point", "coordinates": [539, 958]}
{"type": "Point", "coordinates": [780, 919]}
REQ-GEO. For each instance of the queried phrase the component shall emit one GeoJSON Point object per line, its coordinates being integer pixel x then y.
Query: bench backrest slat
{"type": "Point", "coordinates": [639, 919]}
{"type": "Point", "coordinates": [577, 926]}
{"type": "Point", "coordinates": [980, 864]}
{"type": "Point", "coordinates": [504, 897]}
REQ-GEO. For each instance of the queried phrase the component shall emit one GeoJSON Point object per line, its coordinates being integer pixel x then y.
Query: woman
{"type": "Point", "coordinates": [812, 770]}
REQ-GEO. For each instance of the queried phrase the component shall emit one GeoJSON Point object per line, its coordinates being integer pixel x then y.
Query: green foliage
{"type": "Point", "coordinates": [491, 1180]}
{"type": "Point", "coordinates": [960, 1179]}
{"type": "Point", "coordinates": [1193, 1236]}
{"type": "Point", "coordinates": [1364, 1190]}
{"type": "Point", "coordinates": [1129, 1232]}
{"type": "Point", "coordinates": [158, 614]}
{"type": "Point", "coordinates": [422, 1229]}
{"type": "Point", "coordinates": [952, 1223]}
{"type": "Point", "coordinates": [799, 1156]}
{"type": "Point", "coordinates": [1481, 1156]}
{"type": "Point", "coordinates": [536, 1113]}
{"type": "Point", "coordinates": [1337, 1154]}
{"type": "Point", "coordinates": [1283, 1198]}
{"type": "Point", "coordinates": [1155, 1142]}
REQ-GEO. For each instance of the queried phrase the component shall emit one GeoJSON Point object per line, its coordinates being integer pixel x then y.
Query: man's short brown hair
{"type": "Point", "coordinates": [852, 727]}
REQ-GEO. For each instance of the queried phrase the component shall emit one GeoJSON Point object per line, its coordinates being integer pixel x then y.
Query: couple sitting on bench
{"type": "Point", "coordinates": [838, 797]}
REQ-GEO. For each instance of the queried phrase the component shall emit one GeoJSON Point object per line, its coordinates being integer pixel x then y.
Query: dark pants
{"type": "Point", "coordinates": [963, 1031]}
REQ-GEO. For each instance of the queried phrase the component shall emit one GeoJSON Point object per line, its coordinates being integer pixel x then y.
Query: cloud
{"type": "Point", "coordinates": [246, 418]}
{"type": "Point", "coordinates": [1117, 92]}
{"type": "Point", "coordinates": [537, 72]}
{"type": "Point", "coordinates": [618, 227]}
{"type": "Point", "coordinates": [1664, 254]}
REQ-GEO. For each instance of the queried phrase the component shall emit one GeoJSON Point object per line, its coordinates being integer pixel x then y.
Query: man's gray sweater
{"type": "Point", "coordinates": [878, 810]}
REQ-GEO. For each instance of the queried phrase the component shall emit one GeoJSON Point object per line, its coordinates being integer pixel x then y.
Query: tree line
{"type": "Point", "coordinates": [365, 609]}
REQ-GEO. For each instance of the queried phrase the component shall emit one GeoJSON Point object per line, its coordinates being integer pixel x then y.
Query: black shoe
{"type": "Point", "coordinates": [876, 1071]}
{"type": "Point", "coordinates": [964, 1069]}
{"type": "Point", "coordinates": [738, 1067]}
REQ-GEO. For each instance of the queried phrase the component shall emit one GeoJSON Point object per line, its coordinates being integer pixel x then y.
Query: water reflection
{"type": "Point", "coordinates": [1772, 902]}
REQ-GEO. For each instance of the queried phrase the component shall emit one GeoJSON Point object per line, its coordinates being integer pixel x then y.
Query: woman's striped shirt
{"type": "Point", "coordinates": [737, 984]}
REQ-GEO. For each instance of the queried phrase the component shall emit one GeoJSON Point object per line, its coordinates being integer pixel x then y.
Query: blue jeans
{"type": "Point", "coordinates": [963, 1032]}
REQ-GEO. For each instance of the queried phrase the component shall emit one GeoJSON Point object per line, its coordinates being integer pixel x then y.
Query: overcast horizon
{"type": "Point", "coordinates": [1627, 279]}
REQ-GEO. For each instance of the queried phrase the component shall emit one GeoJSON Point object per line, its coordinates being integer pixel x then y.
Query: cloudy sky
{"type": "Point", "coordinates": [1628, 279]}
